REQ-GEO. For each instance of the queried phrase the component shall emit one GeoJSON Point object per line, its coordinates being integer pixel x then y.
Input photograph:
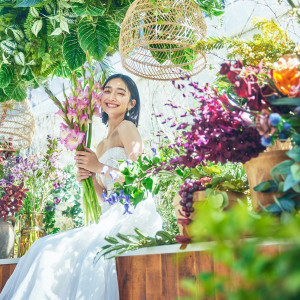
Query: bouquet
{"type": "Point", "coordinates": [77, 112]}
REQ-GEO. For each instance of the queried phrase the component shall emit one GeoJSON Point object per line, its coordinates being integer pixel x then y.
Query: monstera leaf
{"type": "Point", "coordinates": [89, 8]}
{"type": "Point", "coordinates": [94, 37]}
{"type": "Point", "coordinates": [73, 53]}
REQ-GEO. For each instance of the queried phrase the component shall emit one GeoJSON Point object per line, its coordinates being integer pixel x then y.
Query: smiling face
{"type": "Point", "coordinates": [116, 98]}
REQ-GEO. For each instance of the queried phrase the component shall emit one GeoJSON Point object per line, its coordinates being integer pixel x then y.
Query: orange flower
{"type": "Point", "coordinates": [286, 74]}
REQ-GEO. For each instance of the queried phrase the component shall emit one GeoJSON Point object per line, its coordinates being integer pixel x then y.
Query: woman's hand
{"type": "Point", "coordinates": [88, 160]}
{"type": "Point", "coordinates": [83, 174]}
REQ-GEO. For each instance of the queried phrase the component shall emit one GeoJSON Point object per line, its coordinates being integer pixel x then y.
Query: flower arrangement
{"type": "Point", "coordinates": [213, 132]}
{"type": "Point", "coordinates": [262, 93]}
{"type": "Point", "coordinates": [77, 112]}
{"type": "Point", "coordinates": [39, 174]}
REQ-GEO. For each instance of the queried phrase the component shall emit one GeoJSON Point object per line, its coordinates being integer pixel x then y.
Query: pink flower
{"type": "Point", "coordinates": [72, 113]}
{"type": "Point", "coordinates": [97, 86]}
{"type": "Point", "coordinates": [64, 131]}
{"type": "Point", "coordinates": [96, 98]}
{"type": "Point", "coordinates": [72, 101]}
{"type": "Point", "coordinates": [74, 138]}
{"type": "Point", "coordinates": [82, 104]}
{"type": "Point", "coordinates": [96, 112]}
{"type": "Point", "coordinates": [60, 113]}
{"type": "Point", "coordinates": [84, 119]}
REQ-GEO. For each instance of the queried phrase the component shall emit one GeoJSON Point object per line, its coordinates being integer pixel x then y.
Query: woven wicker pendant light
{"type": "Point", "coordinates": [157, 38]}
{"type": "Point", "coordinates": [16, 125]}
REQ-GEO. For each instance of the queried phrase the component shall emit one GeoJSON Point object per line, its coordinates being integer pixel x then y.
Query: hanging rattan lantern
{"type": "Point", "coordinates": [157, 38]}
{"type": "Point", "coordinates": [16, 125]}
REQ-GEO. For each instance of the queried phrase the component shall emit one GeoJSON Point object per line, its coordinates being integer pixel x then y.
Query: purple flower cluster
{"type": "Point", "coordinates": [213, 132]}
{"type": "Point", "coordinates": [114, 198]}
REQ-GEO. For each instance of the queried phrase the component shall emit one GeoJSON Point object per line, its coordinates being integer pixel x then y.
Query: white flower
{"type": "Point", "coordinates": [64, 223]}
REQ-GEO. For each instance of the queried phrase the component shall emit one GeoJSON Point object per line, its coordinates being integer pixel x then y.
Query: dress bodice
{"type": "Point", "coordinates": [111, 158]}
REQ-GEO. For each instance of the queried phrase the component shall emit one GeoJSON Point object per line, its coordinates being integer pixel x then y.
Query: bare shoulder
{"type": "Point", "coordinates": [126, 125]}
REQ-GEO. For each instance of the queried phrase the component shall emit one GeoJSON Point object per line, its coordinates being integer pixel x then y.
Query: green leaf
{"type": "Point", "coordinates": [8, 46]}
{"type": "Point", "coordinates": [6, 75]}
{"type": "Point", "coordinates": [282, 168]}
{"type": "Point", "coordinates": [3, 96]}
{"type": "Point", "coordinates": [294, 154]}
{"type": "Point", "coordinates": [215, 200]}
{"type": "Point", "coordinates": [89, 8]}
{"type": "Point", "coordinates": [295, 168]}
{"type": "Point", "coordinates": [94, 37]}
{"type": "Point", "coordinates": [286, 101]}
{"type": "Point", "coordinates": [57, 31]}
{"type": "Point", "coordinates": [266, 187]}
{"type": "Point", "coordinates": [195, 172]}
{"type": "Point", "coordinates": [126, 238]}
{"type": "Point", "coordinates": [184, 58]}
{"type": "Point", "coordinates": [17, 32]}
{"type": "Point", "coordinates": [296, 139]}
{"type": "Point", "coordinates": [16, 90]}
{"type": "Point", "coordinates": [73, 54]}
{"type": "Point", "coordinates": [148, 183]}
{"type": "Point", "coordinates": [20, 58]}
{"type": "Point", "coordinates": [289, 182]}
{"type": "Point", "coordinates": [161, 52]}
{"type": "Point", "coordinates": [138, 196]}
{"type": "Point", "coordinates": [33, 11]}
{"type": "Point", "coordinates": [64, 26]}
{"type": "Point", "coordinates": [27, 3]}
{"type": "Point", "coordinates": [1, 171]}
{"type": "Point", "coordinates": [36, 27]}
{"type": "Point", "coordinates": [111, 240]}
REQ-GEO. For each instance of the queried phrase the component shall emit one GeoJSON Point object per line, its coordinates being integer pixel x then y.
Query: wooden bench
{"type": "Point", "coordinates": [155, 273]}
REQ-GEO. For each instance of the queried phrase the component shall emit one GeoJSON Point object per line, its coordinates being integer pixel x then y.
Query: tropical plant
{"type": "Point", "coordinates": [41, 38]}
{"type": "Point", "coordinates": [267, 46]}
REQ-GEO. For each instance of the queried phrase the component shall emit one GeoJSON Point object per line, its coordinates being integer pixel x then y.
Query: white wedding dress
{"type": "Point", "coordinates": [61, 267]}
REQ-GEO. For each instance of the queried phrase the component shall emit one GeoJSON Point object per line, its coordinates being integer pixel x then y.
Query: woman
{"type": "Point", "coordinates": [61, 266]}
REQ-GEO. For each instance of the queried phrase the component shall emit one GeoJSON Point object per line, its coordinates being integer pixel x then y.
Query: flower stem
{"type": "Point", "coordinates": [88, 144]}
{"type": "Point", "coordinates": [291, 3]}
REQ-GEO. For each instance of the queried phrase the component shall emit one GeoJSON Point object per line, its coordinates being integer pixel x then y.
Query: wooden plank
{"type": "Point", "coordinates": [124, 270]}
{"type": "Point", "coordinates": [170, 284]}
{"type": "Point", "coordinates": [5, 273]}
{"type": "Point", "coordinates": [204, 264]}
{"type": "Point", "coordinates": [185, 269]}
{"type": "Point", "coordinates": [153, 277]}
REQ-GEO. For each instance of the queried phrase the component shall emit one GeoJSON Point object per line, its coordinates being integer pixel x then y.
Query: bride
{"type": "Point", "coordinates": [61, 266]}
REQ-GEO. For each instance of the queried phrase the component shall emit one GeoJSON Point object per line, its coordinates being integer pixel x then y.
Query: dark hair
{"type": "Point", "coordinates": [134, 113]}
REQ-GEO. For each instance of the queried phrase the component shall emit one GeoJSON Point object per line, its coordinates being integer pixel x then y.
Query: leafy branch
{"type": "Point", "coordinates": [123, 243]}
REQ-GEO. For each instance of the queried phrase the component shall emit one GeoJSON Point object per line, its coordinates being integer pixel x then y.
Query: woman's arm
{"type": "Point", "coordinates": [99, 188]}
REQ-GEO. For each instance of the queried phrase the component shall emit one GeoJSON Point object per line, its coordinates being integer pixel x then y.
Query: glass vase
{"type": "Point", "coordinates": [31, 228]}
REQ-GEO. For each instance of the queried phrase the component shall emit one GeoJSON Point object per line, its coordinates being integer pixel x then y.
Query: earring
{"type": "Point", "coordinates": [127, 114]}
